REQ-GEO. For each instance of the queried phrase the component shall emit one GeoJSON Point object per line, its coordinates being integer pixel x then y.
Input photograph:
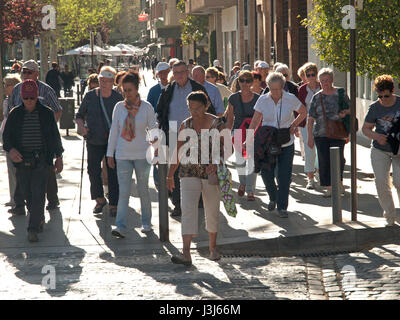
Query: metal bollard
{"type": "Point", "coordinates": [336, 185]}
{"type": "Point", "coordinates": [163, 202]}
{"type": "Point", "coordinates": [78, 93]}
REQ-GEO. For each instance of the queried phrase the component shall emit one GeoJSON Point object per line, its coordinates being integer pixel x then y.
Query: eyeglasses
{"type": "Point", "coordinates": [246, 80]}
{"type": "Point", "coordinates": [309, 75]}
{"type": "Point", "coordinates": [29, 98]}
{"type": "Point", "coordinates": [385, 96]}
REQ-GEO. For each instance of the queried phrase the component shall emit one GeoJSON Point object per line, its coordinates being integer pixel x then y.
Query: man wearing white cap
{"type": "Point", "coordinates": [47, 97]}
{"type": "Point", "coordinates": [162, 71]}
{"type": "Point", "coordinates": [263, 69]}
{"type": "Point", "coordinates": [94, 123]}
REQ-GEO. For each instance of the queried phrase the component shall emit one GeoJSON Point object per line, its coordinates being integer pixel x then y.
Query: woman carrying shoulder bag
{"type": "Point", "coordinates": [326, 125]}
{"type": "Point", "coordinates": [384, 116]}
{"type": "Point", "coordinates": [239, 113]}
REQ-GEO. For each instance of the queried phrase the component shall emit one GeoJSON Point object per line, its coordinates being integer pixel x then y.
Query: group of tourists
{"type": "Point", "coordinates": [115, 122]}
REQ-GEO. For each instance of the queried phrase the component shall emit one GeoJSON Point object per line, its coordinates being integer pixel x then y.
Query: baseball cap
{"type": "Point", "coordinates": [29, 89]}
{"type": "Point", "coordinates": [31, 65]}
{"type": "Point", "coordinates": [106, 73]}
{"type": "Point", "coordinates": [161, 66]}
{"type": "Point", "coordinates": [263, 65]}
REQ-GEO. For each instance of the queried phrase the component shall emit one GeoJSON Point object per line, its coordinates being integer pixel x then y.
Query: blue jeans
{"type": "Point", "coordinates": [247, 179]}
{"type": "Point", "coordinates": [124, 171]}
{"type": "Point", "coordinates": [280, 193]}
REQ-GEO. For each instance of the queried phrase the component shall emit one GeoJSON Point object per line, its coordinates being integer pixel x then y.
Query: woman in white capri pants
{"type": "Point", "coordinates": [381, 115]}
{"type": "Point", "coordinates": [194, 178]}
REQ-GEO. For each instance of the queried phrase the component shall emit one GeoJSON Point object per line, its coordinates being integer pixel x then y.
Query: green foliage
{"type": "Point", "coordinates": [378, 35]}
{"type": "Point", "coordinates": [194, 28]}
{"type": "Point", "coordinates": [78, 17]}
{"type": "Point", "coordinates": [213, 47]}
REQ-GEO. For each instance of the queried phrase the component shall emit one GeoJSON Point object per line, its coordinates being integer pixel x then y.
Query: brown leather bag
{"type": "Point", "coordinates": [334, 129]}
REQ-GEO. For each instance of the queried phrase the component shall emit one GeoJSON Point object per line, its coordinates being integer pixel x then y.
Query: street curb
{"type": "Point", "coordinates": [318, 243]}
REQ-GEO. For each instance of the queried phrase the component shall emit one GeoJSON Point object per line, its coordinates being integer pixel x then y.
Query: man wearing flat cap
{"type": "Point", "coordinates": [32, 139]}
{"type": "Point", "coordinates": [48, 98]}
{"type": "Point", "coordinates": [94, 122]}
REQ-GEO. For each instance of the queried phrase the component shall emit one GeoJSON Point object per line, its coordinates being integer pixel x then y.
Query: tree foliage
{"type": "Point", "coordinates": [378, 35]}
{"type": "Point", "coordinates": [195, 28]}
{"type": "Point", "coordinates": [19, 19]}
{"type": "Point", "coordinates": [77, 18]}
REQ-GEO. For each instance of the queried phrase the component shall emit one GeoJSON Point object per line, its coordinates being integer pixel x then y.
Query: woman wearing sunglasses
{"type": "Point", "coordinates": [306, 92]}
{"type": "Point", "coordinates": [239, 112]}
{"type": "Point", "coordinates": [382, 115]}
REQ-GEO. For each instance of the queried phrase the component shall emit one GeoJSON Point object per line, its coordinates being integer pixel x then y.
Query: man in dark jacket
{"type": "Point", "coordinates": [32, 139]}
{"type": "Point", "coordinates": [172, 109]}
{"type": "Point", "coordinates": [53, 78]}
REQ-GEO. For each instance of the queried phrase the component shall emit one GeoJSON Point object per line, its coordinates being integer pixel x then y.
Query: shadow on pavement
{"type": "Point", "coordinates": [30, 265]}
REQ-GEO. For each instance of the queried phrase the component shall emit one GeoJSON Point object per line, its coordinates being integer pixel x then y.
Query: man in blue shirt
{"type": "Point", "coordinates": [162, 71]}
{"type": "Point", "coordinates": [199, 75]}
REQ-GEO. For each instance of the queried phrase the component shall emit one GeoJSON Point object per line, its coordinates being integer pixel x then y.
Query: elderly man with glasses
{"type": "Point", "coordinates": [32, 139]}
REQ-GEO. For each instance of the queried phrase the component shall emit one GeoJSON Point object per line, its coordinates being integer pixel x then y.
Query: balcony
{"type": "Point", "coordinates": [207, 6]}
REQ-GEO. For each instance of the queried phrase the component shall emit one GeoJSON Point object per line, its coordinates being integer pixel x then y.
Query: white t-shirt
{"type": "Point", "coordinates": [137, 148]}
{"type": "Point", "coordinates": [272, 114]}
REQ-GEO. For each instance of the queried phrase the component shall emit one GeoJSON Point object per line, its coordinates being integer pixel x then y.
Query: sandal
{"type": "Point", "coordinates": [251, 197]}
{"type": "Point", "coordinates": [241, 190]}
{"type": "Point", "coordinates": [99, 207]}
{"type": "Point", "coordinates": [181, 260]}
{"type": "Point", "coordinates": [214, 255]}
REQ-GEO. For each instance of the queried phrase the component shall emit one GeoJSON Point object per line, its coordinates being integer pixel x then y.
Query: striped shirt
{"type": "Point", "coordinates": [47, 97]}
{"type": "Point", "coordinates": [31, 137]}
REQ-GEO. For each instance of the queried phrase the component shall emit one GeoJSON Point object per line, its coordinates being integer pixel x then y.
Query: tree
{"type": "Point", "coordinates": [19, 19]}
{"type": "Point", "coordinates": [378, 35]}
{"type": "Point", "coordinates": [126, 26]}
{"type": "Point", "coordinates": [195, 28]}
{"type": "Point", "coordinates": [79, 17]}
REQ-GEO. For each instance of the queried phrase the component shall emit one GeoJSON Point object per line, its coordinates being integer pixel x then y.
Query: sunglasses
{"type": "Point", "coordinates": [246, 80]}
{"type": "Point", "coordinates": [28, 98]}
{"type": "Point", "coordinates": [27, 72]}
{"type": "Point", "coordinates": [309, 75]}
{"type": "Point", "coordinates": [285, 75]}
{"type": "Point", "coordinates": [209, 77]}
{"type": "Point", "coordinates": [385, 96]}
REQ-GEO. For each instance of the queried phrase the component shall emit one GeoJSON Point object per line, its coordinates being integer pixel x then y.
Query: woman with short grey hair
{"type": "Point", "coordinates": [9, 82]}
{"type": "Point", "coordinates": [275, 110]}
{"type": "Point", "coordinates": [330, 103]}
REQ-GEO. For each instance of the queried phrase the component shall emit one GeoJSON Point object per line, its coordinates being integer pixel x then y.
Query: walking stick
{"type": "Point", "coordinates": [83, 158]}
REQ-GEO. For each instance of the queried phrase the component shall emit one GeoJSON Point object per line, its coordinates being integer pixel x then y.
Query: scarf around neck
{"type": "Point", "coordinates": [129, 129]}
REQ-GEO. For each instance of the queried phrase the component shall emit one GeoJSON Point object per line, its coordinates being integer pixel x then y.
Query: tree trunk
{"type": "Point", "coordinates": [53, 47]}
{"type": "Point", "coordinates": [1, 82]}
{"type": "Point", "coordinates": [28, 50]}
{"type": "Point", "coordinates": [44, 55]}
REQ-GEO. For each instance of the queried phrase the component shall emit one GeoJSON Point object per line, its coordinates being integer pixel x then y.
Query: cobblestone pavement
{"type": "Point", "coordinates": [373, 274]}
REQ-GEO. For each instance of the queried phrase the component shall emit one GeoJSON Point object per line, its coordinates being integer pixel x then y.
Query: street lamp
{"type": "Point", "coordinates": [349, 22]}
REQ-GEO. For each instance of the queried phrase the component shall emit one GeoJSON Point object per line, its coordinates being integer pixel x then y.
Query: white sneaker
{"type": "Point", "coordinates": [390, 220]}
{"type": "Point", "coordinates": [327, 193]}
{"type": "Point", "coordinates": [310, 184]}
{"type": "Point", "coordinates": [146, 229]}
{"type": "Point", "coordinates": [118, 233]}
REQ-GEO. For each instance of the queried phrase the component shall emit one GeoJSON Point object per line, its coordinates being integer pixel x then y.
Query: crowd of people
{"type": "Point", "coordinates": [115, 121]}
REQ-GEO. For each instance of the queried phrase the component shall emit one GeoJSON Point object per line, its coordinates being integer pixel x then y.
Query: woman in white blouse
{"type": "Point", "coordinates": [128, 141]}
{"type": "Point", "coordinates": [275, 109]}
